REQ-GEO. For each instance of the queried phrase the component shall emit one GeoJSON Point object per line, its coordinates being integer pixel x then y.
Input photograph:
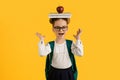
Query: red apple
{"type": "Point", "coordinates": [60, 9]}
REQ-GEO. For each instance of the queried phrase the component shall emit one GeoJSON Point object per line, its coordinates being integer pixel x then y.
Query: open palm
{"type": "Point", "coordinates": [40, 36]}
{"type": "Point", "coordinates": [77, 36]}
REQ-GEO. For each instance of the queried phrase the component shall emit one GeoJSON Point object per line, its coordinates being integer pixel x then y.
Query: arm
{"type": "Point", "coordinates": [43, 49]}
{"type": "Point", "coordinates": [77, 48]}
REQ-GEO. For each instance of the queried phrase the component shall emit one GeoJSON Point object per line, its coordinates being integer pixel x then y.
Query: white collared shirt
{"type": "Point", "coordinates": [60, 54]}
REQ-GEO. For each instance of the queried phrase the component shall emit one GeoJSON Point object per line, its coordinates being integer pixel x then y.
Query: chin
{"type": "Point", "coordinates": [60, 36]}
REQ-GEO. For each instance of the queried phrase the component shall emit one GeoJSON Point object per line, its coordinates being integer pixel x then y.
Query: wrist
{"type": "Point", "coordinates": [77, 38]}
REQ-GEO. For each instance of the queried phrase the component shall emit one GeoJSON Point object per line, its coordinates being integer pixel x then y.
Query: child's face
{"type": "Point", "coordinates": [60, 28]}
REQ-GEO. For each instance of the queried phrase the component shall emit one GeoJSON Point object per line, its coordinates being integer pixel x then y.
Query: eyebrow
{"type": "Point", "coordinates": [60, 26]}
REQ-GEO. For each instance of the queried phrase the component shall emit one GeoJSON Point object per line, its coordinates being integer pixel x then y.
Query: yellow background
{"type": "Point", "coordinates": [21, 19]}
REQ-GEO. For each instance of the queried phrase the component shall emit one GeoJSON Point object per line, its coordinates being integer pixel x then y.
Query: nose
{"type": "Point", "coordinates": [60, 29]}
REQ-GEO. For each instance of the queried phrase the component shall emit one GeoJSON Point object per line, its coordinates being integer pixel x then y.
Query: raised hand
{"type": "Point", "coordinates": [41, 37]}
{"type": "Point", "coordinates": [77, 36]}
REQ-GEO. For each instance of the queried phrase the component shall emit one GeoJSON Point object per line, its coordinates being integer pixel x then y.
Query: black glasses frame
{"type": "Point", "coordinates": [58, 28]}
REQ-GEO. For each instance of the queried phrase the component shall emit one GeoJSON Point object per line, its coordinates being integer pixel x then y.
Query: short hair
{"type": "Point", "coordinates": [52, 20]}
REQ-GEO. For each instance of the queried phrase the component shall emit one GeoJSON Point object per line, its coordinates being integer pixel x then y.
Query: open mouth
{"type": "Point", "coordinates": [61, 33]}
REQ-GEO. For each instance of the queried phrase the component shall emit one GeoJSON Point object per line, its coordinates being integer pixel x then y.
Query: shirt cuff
{"type": "Point", "coordinates": [78, 42]}
{"type": "Point", "coordinates": [41, 43]}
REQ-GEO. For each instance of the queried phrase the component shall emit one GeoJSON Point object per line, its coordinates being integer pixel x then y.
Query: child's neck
{"type": "Point", "coordinates": [60, 40]}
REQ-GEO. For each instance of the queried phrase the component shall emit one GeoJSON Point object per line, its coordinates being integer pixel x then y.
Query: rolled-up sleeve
{"type": "Point", "coordinates": [77, 48]}
{"type": "Point", "coordinates": [43, 49]}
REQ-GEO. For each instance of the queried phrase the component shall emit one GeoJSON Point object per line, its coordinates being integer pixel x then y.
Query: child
{"type": "Point", "coordinates": [60, 62]}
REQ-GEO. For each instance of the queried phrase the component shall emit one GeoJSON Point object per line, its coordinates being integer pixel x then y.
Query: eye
{"type": "Point", "coordinates": [64, 27]}
{"type": "Point", "coordinates": [56, 27]}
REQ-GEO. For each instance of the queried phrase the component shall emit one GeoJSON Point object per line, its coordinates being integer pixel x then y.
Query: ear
{"type": "Point", "coordinates": [67, 30]}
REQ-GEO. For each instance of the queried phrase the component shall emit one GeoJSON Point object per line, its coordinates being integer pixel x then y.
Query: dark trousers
{"type": "Point", "coordinates": [60, 74]}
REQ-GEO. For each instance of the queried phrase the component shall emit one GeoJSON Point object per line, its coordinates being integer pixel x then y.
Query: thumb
{"type": "Point", "coordinates": [74, 36]}
{"type": "Point", "coordinates": [43, 36]}
{"type": "Point", "coordinates": [38, 34]}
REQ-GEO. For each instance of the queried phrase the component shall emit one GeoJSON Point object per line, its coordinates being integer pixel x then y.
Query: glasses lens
{"type": "Point", "coordinates": [59, 28]}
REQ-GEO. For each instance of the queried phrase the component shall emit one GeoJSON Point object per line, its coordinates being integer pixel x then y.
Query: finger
{"type": "Point", "coordinates": [77, 32]}
{"type": "Point", "coordinates": [43, 36]}
{"type": "Point", "coordinates": [80, 31]}
{"type": "Point", "coordinates": [37, 33]}
{"type": "Point", "coordinates": [74, 36]}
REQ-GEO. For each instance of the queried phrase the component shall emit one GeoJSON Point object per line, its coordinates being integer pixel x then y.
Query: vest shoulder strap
{"type": "Point", "coordinates": [49, 59]}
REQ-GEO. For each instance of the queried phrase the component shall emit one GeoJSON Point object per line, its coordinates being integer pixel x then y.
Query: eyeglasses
{"type": "Point", "coordinates": [58, 28]}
